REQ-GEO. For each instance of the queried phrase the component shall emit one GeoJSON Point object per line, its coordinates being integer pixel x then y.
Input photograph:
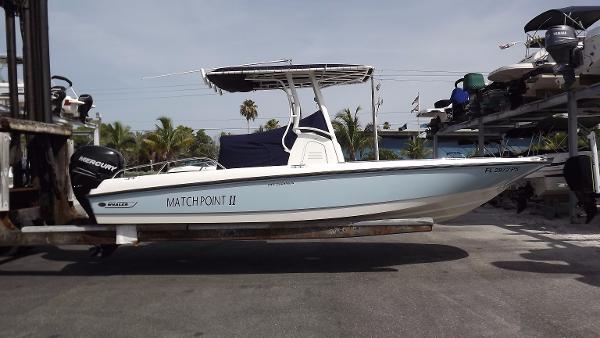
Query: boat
{"type": "Point", "coordinates": [549, 182]}
{"type": "Point", "coordinates": [569, 43]}
{"type": "Point", "coordinates": [530, 79]}
{"type": "Point", "coordinates": [4, 89]}
{"type": "Point", "coordinates": [516, 71]}
{"type": "Point", "coordinates": [566, 56]}
{"type": "Point", "coordinates": [298, 177]}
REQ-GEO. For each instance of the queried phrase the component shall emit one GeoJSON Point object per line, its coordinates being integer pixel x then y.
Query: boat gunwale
{"type": "Point", "coordinates": [527, 160]}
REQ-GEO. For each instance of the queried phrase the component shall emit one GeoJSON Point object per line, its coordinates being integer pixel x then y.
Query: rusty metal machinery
{"type": "Point", "coordinates": [40, 182]}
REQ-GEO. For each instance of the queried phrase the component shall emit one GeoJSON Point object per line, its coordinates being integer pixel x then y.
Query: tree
{"type": "Point", "coordinates": [167, 142]}
{"type": "Point", "coordinates": [140, 152]}
{"type": "Point", "coordinates": [384, 155]}
{"type": "Point", "coordinates": [349, 134]}
{"type": "Point", "coordinates": [272, 124]}
{"type": "Point", "coordinates": [415, 149]}
{"type": "Point", "coordinates": [204, 145]}
{"type": "Point", "coordinates": [386, 125]}
{"type": "Point", "coordinates": [82, 140]}
{"type": "Point", "coordinates": [249, 110]}
{"type": "Point", "coordinates": [555, 142]}
{"type": "Point", "coordinates": [116, 136]}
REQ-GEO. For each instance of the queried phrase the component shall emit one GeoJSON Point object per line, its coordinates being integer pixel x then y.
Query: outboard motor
{"type": "Point", "coordinates": [57, 95]}
{"type": "Point", "coordinates": [83, 110]}
{"type": "Point", "coordinates": [90, 165]}
{"type": "Point", "coordinates": [578, 174]}
{"type": "Point", "coordinates": [562, 44]}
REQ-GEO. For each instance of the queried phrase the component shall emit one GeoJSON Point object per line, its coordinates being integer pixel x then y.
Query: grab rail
{"type": "Point", "coordinates": [316, 130]}
{"type": "Point", "coordinates": [201, 162]}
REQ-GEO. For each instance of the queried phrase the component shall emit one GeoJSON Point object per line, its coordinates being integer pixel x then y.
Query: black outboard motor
{"type": "Point", "coordinates": [578, 174]}
{"type": "Point", "coordinates": [57, 95]}
{"type": "Point", "coordinates": [561, 42]}
{"type": "Point", "coordinates": [89, 166]}
{"type": "Point", "coordinates": [84, 109]}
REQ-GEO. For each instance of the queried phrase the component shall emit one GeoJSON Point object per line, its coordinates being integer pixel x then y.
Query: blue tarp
{"type": "Point", "coordinates": [263, 149]}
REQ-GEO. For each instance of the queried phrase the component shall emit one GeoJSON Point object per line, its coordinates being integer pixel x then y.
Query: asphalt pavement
{"type": "Point", "coordinates": [489, 273]}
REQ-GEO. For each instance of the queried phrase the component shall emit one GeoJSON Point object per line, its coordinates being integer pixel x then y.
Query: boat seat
{"type": "Point", "coordinates": [472, 82]}
{"type": "Point", "coordinates": [459, 99]}
{"type": "Point", "coordinates": [442, 104]}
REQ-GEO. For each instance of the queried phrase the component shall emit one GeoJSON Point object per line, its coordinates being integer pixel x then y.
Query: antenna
{"type": "Point", "coordinates": [509, 44]}
{"type": "Point", "coordinates": [172, 74]}
{"type": "Point", "coordinates": [267, 62]}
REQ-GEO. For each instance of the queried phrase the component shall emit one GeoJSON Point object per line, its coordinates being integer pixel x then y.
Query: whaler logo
{"type": "Point", "coordinates": [97, 163]}
{"type": "Point", "coordinates": [117, 204]}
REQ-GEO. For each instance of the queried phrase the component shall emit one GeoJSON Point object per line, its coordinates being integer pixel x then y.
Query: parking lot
{"type": "Point", "coordinates": [485, 274]}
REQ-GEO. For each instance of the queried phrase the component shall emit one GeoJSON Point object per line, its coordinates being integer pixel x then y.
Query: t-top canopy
{"type": "Point", "coordinates": [248, 78]}
{"type": "Point", "coordinates": [581, 17]}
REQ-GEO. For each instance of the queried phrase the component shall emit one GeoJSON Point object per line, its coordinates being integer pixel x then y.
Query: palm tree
{"type": "Point", "coordinates": [349, 134]}
{"type": "Point", "coordinates": [415, 149]}
{"type": "Point", "coordinates": [116, 136]}
{"type": "Point", "coordinates": [554, 142]}
{"type": "Point", "coordinates": [386, 125]}
{"type": "Point", "coordinates": [204, 145]}
{"type": "Point", "coordinates": [384, 155]}
{"type": "Point", "coordinates": [140, 152]}
{"type": "Point", "coordinates": [271, 124]}
{"type": "Point", "coordinates": [167, 142]}
{"type": "Point", "coordinates": [249, 110]}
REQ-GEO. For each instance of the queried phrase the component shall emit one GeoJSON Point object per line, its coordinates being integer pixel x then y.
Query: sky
{"type": "Point", "coordinates": [417, 47]}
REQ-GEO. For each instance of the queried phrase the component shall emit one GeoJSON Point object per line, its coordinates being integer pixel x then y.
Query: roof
{"type": "Point", "coordinates": [248, 78]}
{"type": "Point", "coordinates": [585, 16]}
{"type": "Point", "coordinates": [431, 112]}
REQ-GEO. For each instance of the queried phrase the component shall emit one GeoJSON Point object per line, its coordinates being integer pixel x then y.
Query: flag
{"type": "Point", "coordinates": [416, 100]}
{"type": "Point", "coordinates": [507, 45]}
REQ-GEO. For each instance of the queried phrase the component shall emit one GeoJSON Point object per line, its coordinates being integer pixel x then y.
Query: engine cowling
{"type": "Point", "coordinates": [562, 44]}
{"type": "Point", "coordinates": [89, 166]}
{"type": "Point", "coordinates": [83, 110]}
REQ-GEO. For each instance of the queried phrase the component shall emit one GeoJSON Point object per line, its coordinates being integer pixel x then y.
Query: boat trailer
{"type": "Point", "coordinates": [135, 234]}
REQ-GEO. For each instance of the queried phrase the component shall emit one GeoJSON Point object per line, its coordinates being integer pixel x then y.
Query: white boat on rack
{"type": "Point", "coordinates": [566, 56]}
{"type": "Point", "coordinates": [313, 185]}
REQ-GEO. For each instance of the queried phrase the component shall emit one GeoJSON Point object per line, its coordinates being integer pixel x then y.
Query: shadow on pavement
{"type": "Point", "coordinates": [252, 257]}
{"type": "Point", "coordinates": [504, 218]}
{"type": "Point", "coordinates": [583, 261]}
{"type": "Point", "coordinates": [561, 256]}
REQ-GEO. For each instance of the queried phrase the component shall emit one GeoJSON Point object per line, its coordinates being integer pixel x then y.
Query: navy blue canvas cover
{"type": "Point", "coordinates": [263, 149]}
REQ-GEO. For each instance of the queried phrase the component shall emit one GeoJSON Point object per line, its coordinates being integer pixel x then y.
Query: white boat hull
{"type": "Point", "coordinates": [441, 189]}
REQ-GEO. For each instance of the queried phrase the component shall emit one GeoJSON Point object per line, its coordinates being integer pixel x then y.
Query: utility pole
{"type": "Point", "coordinates": [572, 141]}
{"type": "Point", "coordinates": [418, 108]}
{"type": "Point", "coordinates": [97, 129]}
{"type": "Point", "coordinates": [375, 141]}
